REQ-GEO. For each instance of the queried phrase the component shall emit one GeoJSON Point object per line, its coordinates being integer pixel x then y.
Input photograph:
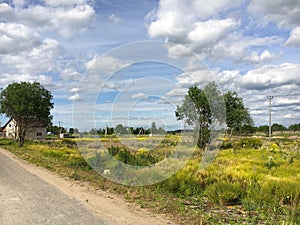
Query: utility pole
{"type": "Point", "coordinates": [60, 127]}
{"type": "Point", "coordinates": [270, 116]}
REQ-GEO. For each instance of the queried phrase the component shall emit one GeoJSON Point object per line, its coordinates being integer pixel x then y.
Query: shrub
{"type": "Point", "coordinates": [249, 143]}
{"type": "Point", "coordinates": [69, 143]}
{"type": "Point", "coordinates": [227, 145]}
{"type": "Point", "coordinates": [53, 153]}
{"type": "Point", "coordinates": [225, 193]}
{"type": "Point", "coordinates": [280, 192]}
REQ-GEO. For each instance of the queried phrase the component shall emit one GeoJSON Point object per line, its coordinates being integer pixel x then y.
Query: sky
{"type": "Point", "coordinates": [131, 62]}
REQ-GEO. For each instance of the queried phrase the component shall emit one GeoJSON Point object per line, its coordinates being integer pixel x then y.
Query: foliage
{"type": "Point", "coordinates": [294, 127]}
{"type": "Point", "coordinates": [237, 115]}
{"type": "Point", "coordinates": [248, 143]}
{"type": "Point", "coordinates": [278, 127]}
{"type": "Point", "coordinates": [225, 193]}
{"type": "Point", "coordinates": [26, 103]}
{"type": "Point", "coordinates": [201, 108]}
{"type": "Point", "coordinates": [239, 187]}
{"type": "Point", "coordinates": [263, 129]}
{"type": "Point", "coordinates": [54, 129]}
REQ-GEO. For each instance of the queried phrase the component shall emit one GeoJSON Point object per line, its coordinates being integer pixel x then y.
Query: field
{"type": "Point", "coordinates": [251, 180]}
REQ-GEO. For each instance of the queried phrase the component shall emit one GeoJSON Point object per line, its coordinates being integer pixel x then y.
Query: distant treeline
{"type": "Point", "coordinates": [121, 129]}
{"type": "Point", "coordinates": [265, 128]}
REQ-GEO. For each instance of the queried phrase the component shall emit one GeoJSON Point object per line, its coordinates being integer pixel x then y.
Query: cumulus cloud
{"type": "Point", "coordinates": [201, 28]}
{"type": "Point", "coordinates": [177, 92]}
{"type": "Point", "coordinates": [264, 57]}
{"type": "Point", "coordinates": [17, 38]}
{"type": "Point", "coordinates": [182, 22]}
{"type": "Point", "coordinates": [70, 74]}
{"type": "Point", "coordinates": [45, 80]}
{"type": "Point", "coordinates": [139, 95]}
{"type": "Point", "coordinates": [271, 76]}
{"type": "Point", "coordinates": [105, 65]}
{"type": "Point", "coordinates": [284, 13]}
{"type": "Point", "coordinates": [237, 47]}
{"type": "Point", "coordinates": [209, 32]}
{"type": "Point", "coordinates": [60, 16]}
{"type": "Point", "coordinates": [64, 2]}
{"type": "Point", "coordinates": [40, 59]}
{"type": "Point", "coordinates": [114, 19]}
{"type": "Point", "coordinates": [75, 97]}
{"type": "Point", "coordinates": [294, 39]}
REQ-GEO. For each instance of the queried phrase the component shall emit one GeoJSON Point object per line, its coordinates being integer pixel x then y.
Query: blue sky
{"type": "Point", "coordinates": [113, 61]}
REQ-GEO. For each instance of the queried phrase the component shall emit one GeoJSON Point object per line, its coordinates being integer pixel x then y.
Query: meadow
{"type": "Point", "coordinates": [251, 180]}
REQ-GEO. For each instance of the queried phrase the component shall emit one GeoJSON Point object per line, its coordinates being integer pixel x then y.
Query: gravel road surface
{"type": "Point", "coordinates": [27, 199]}
{"type": "Point", "coordinates": [31, 195]}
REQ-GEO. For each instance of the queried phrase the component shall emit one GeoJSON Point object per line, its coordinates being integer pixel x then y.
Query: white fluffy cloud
{"type": "Point", "coordinates": [212, 30]}
{"type": "Point", "coordinates": [294, 39]}
{"type": "Point", "coordinates": [286, 13]}
{"type": "Point", "coordinates": [208, 33]}
{"type": "Point", "coordinates": [75, 97]}
{"type": "Point", "coordinates": [60, 16]}
{"type": "Point", "coordinates": [182, 22]}
{"type": "Point", "coordinates": [17, 38]}
{"type": "Point", "coordinates": [70, 74]}
{"type": "Point", "coordinates": [139, 95]}
{"type": "Point", "coordinates": [271, 76]}
{"type": "Point", "coordinates": [104, 65]}
{"type": "Point", "coordinates": [114, 19]}
{"type": "Point", "coordinates": [237, 47]}
{"type": "Point", "coordinates": [256, 58]}
{"type": "Point", "coordinates": [40, 59]}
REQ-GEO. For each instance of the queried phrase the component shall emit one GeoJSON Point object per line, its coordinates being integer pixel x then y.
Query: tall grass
{"type": "Point", "coordinates": [259, 180]}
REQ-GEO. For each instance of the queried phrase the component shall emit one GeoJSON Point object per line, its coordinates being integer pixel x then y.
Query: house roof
{"type": "Point", "coordinates": [2, 128]}
{"type": "Point", "coordinates": [35, 124]}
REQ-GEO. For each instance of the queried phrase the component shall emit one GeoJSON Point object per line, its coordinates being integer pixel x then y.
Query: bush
{"type": "Point", "coordinates": [227, 145]}
{"type": "Point", "coordinates": [53, 153]}
{"type": "Point", "coordinates": [280, 192]}
{"type": "Point", "coordinates": [225, 193]}
{"type": "Point", "coordinates": [248, 143]}
{"type": "Point", "coordinates": [69, 143]}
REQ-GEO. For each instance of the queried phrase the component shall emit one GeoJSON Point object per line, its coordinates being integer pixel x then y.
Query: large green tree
{"type": "Point", "coordinates": [27, 103]}
{"type": "Point", "coordinates": [202, 108]}
{"type": "Point", "coordinates": [237, 115]}
{"type": "Point", "coordinates": [207, 107]}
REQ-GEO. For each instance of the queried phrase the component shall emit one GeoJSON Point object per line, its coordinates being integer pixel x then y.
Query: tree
{"type": "Point", "coordinates": [237, 115]}
{"type": "Point", "coordinates": [153, 128]}
{"type": "Point", "coordinates": [93, 131]}
{"type": "Point", "coordinates": [55, 129]}
{"type": "Point", "coordinates": [263, 129]}
{"type": "Point", "coordinates": [201, 108]}
{"type": "Point", "coordinates": [71, 130]}
{"type": "Point", "coordinates": [278, 127]}
{"type": "Point", "coordinates": [26, 103]}
{"type": "Point", "coordinates": [294, 127]}
{"type": "Point", "coordinates": [120, 129]}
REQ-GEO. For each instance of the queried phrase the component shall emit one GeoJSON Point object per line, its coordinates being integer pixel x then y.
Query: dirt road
{"type": "Point", "coordinates": [31, 195]}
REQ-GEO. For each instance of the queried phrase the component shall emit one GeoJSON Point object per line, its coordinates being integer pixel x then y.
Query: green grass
{"type": "Point", "coordinates": [254, 182]}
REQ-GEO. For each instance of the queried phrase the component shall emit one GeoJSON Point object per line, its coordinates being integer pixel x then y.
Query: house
{"type": "Point", "coordinates": [35, 132]}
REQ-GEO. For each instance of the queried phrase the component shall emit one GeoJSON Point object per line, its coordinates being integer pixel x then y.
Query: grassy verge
{"type": "Point", "coordinates": [250, 182]}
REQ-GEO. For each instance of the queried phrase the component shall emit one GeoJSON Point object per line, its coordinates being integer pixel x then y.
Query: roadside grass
{"type": "Point", "coordinates": [250, 182]}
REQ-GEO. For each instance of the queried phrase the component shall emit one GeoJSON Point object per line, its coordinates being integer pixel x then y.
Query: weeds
{"type": "Point", "coordinates": [250, 182]}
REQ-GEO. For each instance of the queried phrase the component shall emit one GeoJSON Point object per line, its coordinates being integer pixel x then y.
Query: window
{"type": "Point", "coordinates": [39, 134]}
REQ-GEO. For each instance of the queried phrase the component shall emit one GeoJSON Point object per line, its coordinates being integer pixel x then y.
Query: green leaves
{"type": "Point", "coordinates": [26, 103]}
{"type": "Point", "coordinates": [208, 109]}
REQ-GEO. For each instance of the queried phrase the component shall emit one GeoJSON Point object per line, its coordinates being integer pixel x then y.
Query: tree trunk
{"type": "Point", "coordinates": [22, 133]}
